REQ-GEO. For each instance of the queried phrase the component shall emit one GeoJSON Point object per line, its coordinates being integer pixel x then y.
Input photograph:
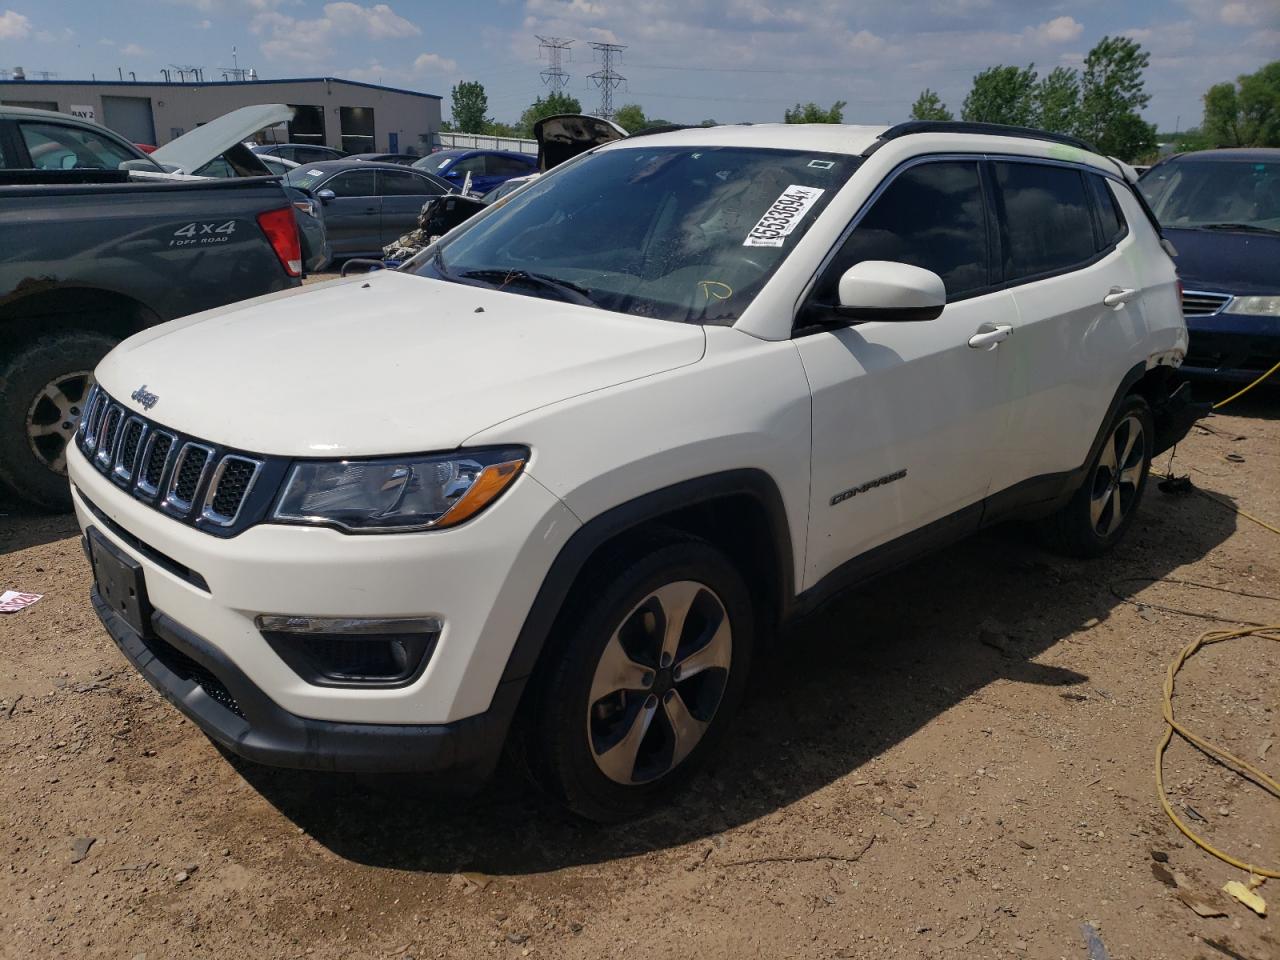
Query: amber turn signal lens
{"type": "Point", "coordinates": [491, 482]}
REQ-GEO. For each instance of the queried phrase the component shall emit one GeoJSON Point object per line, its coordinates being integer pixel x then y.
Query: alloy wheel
{"type": "Point", "coordinates": [1117, 476]}
{"type": "Point", "coordinates": [659, 682]}
{"type": "Point", "coordinates": [54, 415]}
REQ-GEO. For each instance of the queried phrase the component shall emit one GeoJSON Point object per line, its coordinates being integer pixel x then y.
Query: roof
{"type": "Point", "coordinates": [821, 137]}
{"type": "Point", "coordinates": [213, 83]}
{"type": "Point", "coordinates": [1237, 154]}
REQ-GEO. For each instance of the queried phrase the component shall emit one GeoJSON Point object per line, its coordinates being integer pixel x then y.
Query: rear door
{"type": "Point", "coordinates": [905, 415]}
{"type": "Point", "coordinates": [353, 218]}
{"type": "Point", "coordinates": [403, 195]}
{"type": "Point", "coordinates": [1063, 243]}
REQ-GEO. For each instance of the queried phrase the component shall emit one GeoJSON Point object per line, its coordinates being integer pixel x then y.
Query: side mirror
{"type": "Point", "coordinates": [324, 196]}
{"type": "Point", "coordinates": [886, 290]}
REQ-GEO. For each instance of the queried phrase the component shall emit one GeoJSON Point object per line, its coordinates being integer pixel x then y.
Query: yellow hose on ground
{"type": "Point", "coordinates": [1172, 726]}
{"type": "Point", "coordinates": [1242, 392]}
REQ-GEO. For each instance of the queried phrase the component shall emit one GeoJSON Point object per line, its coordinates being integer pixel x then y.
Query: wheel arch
{"type": "Point", "coordinates": [56, 309]}
{"type": "Point", "coordinates": [739, 511]}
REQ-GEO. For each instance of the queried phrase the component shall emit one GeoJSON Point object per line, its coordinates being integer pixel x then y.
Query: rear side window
{"type": "Point", "coordinates": [1110, 219]}
{"type": "Point", "coordinates": [1046, 224]}
{"type": "Point", "coordinates": [504, 166]}
{"type": "Point", "coordinates": [931, 216]}
{"type": "Point", "coordinates": [394, 183]}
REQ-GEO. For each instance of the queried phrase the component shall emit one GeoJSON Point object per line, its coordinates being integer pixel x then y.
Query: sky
{"type": "Point", "coordinates": [685, 60]}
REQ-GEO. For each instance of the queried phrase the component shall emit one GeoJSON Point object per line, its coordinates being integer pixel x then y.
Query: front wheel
{"type": "Point", "coordinates": [643, 683]}
{"type": "Point", "coordinates": [1100, 512]}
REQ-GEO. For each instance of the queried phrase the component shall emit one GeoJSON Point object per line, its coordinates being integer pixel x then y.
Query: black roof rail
{"type": "Point", "coordinates": [984, 129]}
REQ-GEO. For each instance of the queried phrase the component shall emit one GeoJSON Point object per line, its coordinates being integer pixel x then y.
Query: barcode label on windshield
{"type": "Point", "coordinates": [781, 218]}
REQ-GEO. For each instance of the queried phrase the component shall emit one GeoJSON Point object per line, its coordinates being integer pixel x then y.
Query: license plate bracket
{"type": "Point", "coordinates": [120, 582]}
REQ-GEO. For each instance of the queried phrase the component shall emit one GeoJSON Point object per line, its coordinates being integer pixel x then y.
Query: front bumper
{"type": "Point", "coordinates": [221, 700]}
{"type": "Point", "coordinates": [1228, 347]}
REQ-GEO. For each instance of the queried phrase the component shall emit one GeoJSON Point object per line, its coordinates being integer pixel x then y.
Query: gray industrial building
{"type": "Point", "coordinates": [352, 116]}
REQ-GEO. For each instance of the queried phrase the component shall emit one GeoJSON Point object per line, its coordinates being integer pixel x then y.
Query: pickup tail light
{"type": "Point", "coordinates": [282, 233]}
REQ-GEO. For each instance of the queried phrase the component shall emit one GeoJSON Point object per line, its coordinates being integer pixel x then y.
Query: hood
{"type": "Point", "coordinates": [566, 135]}
{"type": "Point", "coordinates": [382, 363]}
{"type": "Point", "coordinates": [193, 150]}
{"type": "Point", "coordinates": [1225, 261]}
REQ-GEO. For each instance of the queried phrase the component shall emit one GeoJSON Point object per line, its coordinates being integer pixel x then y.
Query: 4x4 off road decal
{"type": "Point", "coordinates": [202, 233]}
{"type": "Point", "coordinates": [781, 218]}
{"type": "Point", "coordinates": [852, 492]}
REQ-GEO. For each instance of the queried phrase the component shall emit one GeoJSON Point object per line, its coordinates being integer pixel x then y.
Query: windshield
{"type": "Point", "coordinates": [1209, 193]}
{"type": "Point", "coordinates": [437, 162]}
{"type": "Point", "coordinates": [675, 233]}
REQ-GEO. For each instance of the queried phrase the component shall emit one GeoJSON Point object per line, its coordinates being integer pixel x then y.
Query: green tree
{"type": "Point", "coordinates": [630, 117]}
{"type": "Point", "coordinates": [1245, 113]}
{"type": "Point", "coordinates": [1112, 94]}
{"type": "Point", "coordinates": [547, 106]}
{"type": "Point", "coordinates": [1002, 95]}
{"type": "Point", "coordinates": [470, 103]}
{"type": "Point", "coordinates": [812, 113]}
{"type": "Point", "coordinates": [929, 106]}
{"type": "Point", "coordinates": [1057, 101]}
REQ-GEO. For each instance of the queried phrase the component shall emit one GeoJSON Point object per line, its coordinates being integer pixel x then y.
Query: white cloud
{"type": "Point", "coordinates": [134, 50]}
{"type": "Point", "coordinates": [434, 62]}
{"type": "Point", "coordinates": [1057, 30]}
{"type": "Point", "coordinates": [14, 26]}
{"type": "Point", "coordinates": [204, 24]}
{"type": "Point", "coordinates": [312, 40]}
{"type": "Point", "coordinates": [107, 43]}
{"type": "Point", "coordinates": [1237, 13]}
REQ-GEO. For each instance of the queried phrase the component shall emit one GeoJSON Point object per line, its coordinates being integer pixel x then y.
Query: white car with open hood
{"type": "Point", "coordinates": [552, 481]}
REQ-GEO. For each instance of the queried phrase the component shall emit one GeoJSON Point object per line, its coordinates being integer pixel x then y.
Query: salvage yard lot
{"type": "Point", "coordinates": [954, 762]}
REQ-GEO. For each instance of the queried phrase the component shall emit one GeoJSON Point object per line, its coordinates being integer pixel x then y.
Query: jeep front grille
{"type": "Point", "coordinates": [200, 483]}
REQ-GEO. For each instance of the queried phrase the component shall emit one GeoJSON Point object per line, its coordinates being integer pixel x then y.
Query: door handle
{"type": "Point", "coordinates": [1118, 296]}
{"type": "Point", "coordinates": [989, 334]}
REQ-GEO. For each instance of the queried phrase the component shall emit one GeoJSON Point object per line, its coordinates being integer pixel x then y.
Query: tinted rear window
{"type": "Point", "coordinates": [1046, 225]}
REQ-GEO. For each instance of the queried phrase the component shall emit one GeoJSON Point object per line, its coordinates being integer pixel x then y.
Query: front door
{"type": "Point", "coordinates": [906, 414]}
{"type": "Point", "coordinates": [353, 218]}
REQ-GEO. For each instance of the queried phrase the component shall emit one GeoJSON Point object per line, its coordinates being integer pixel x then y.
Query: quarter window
{"type": "Point", "coordinates": [1109, 217]}
{"type": "Point", "coordinates": [1046, 225]}
{"type": "Point", "coordinates": [931, 216]}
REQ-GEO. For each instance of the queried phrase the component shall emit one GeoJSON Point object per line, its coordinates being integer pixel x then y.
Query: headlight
{"type": "Point", "coordinates": [1255, 306]}
{"type": "Point", "coordinates": [400, 494]}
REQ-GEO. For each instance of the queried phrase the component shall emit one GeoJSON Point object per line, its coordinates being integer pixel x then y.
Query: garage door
{"type": "Point", "coordinates": [130, 117]}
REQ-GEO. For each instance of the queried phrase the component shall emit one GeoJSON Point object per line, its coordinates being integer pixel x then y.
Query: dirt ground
{"type": "Point", "coordinates": [956, 762]}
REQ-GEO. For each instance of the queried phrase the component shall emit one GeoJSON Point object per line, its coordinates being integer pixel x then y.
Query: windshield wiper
{"type": "Point", "coordinates": [502, 278]}
{"type": "Point", "coordinates": [1244, 227]}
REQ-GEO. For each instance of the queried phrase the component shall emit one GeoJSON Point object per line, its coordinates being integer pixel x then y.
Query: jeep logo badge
{"type": "Point", "coordinates": [148, 400]}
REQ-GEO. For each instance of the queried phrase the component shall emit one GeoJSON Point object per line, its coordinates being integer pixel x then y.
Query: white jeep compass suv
{"type": "Point", "coordinates": [553, 480]}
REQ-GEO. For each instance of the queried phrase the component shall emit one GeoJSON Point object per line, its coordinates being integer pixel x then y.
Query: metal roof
{"type": "Point", "coordinates": [213, 83]}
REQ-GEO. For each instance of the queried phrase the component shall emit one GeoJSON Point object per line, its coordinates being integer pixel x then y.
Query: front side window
{"type": "Point", "coordinates": [1209, 194]}
{"type": "Point", "coordinates": [353, 183]}
{"type": "Point", "coordinates": [55, 147]}
{"type": "Point", "coordinates": [931, 216]}
{"type": "Point", "coordinates": [690, 234]}
{"type": "Point", "coordinates": [1046, 223]}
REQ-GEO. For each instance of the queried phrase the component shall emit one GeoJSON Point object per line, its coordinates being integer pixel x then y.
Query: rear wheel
{"type": "Point", "coordinates": [644, 681]}
{"type": "Point", "coordinates": [1103, 508]}
{"type": "Point", "coordinates": [42, 392]}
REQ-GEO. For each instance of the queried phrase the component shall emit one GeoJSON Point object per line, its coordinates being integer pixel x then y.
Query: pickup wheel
{"type": "Point", "coordinates": [644, 681]}
{"type": "Point", "coordinates": [42, 389]}
{"type": "Point", "coordinates": [1100, 512]}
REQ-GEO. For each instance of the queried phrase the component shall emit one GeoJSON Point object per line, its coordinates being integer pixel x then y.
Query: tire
{"type": "Point", "coordinates": [1099, 513]}
{"type": "Point", "coordinates": [610, 750]}
{"type": "Point", "coordinates": [41, 389]}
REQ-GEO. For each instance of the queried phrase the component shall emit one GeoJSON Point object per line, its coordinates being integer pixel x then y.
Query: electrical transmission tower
{"type": "Point", "coordinates": [606, 78]}
{"type": "Point", "coordinates": [555, 76]}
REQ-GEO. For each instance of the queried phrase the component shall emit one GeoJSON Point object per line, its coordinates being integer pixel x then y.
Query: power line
{"type": "Point", "coordinates": [606, 78]}
{"type": "Point", "coordinates": [555, 76]}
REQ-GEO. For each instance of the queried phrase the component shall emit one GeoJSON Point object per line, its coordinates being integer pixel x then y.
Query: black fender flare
{"type": "Point", "coordinates": [617, 521]}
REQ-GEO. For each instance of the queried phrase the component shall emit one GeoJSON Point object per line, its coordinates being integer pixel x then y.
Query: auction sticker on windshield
{"type": "Point", "coordinates": [781, 218]}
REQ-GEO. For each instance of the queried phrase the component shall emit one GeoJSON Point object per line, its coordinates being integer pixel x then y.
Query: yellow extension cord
{"type": "Point", "coordinates": [1172, 726]}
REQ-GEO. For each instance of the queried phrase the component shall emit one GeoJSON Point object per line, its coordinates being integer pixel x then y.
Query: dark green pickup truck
{"type": "Point", "coordinates": [85, 263]}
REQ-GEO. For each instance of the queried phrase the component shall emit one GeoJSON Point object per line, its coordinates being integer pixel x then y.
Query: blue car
{"type": "Point", "coordinates": [1221, 209]}
{"type": "Point", "coordinates": [488, 168]}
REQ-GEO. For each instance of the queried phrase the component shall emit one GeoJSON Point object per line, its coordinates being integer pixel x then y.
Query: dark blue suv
{"type": "Point", "coordinates": [1221, 209]}
{"type": "Point", "coordinates": [488, 168]}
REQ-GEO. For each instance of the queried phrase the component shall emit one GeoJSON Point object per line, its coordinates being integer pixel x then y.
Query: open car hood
{"type": "Point", "coordinates": [193, 150]}
{"type": "Point", "coordinates": [566, 135]}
